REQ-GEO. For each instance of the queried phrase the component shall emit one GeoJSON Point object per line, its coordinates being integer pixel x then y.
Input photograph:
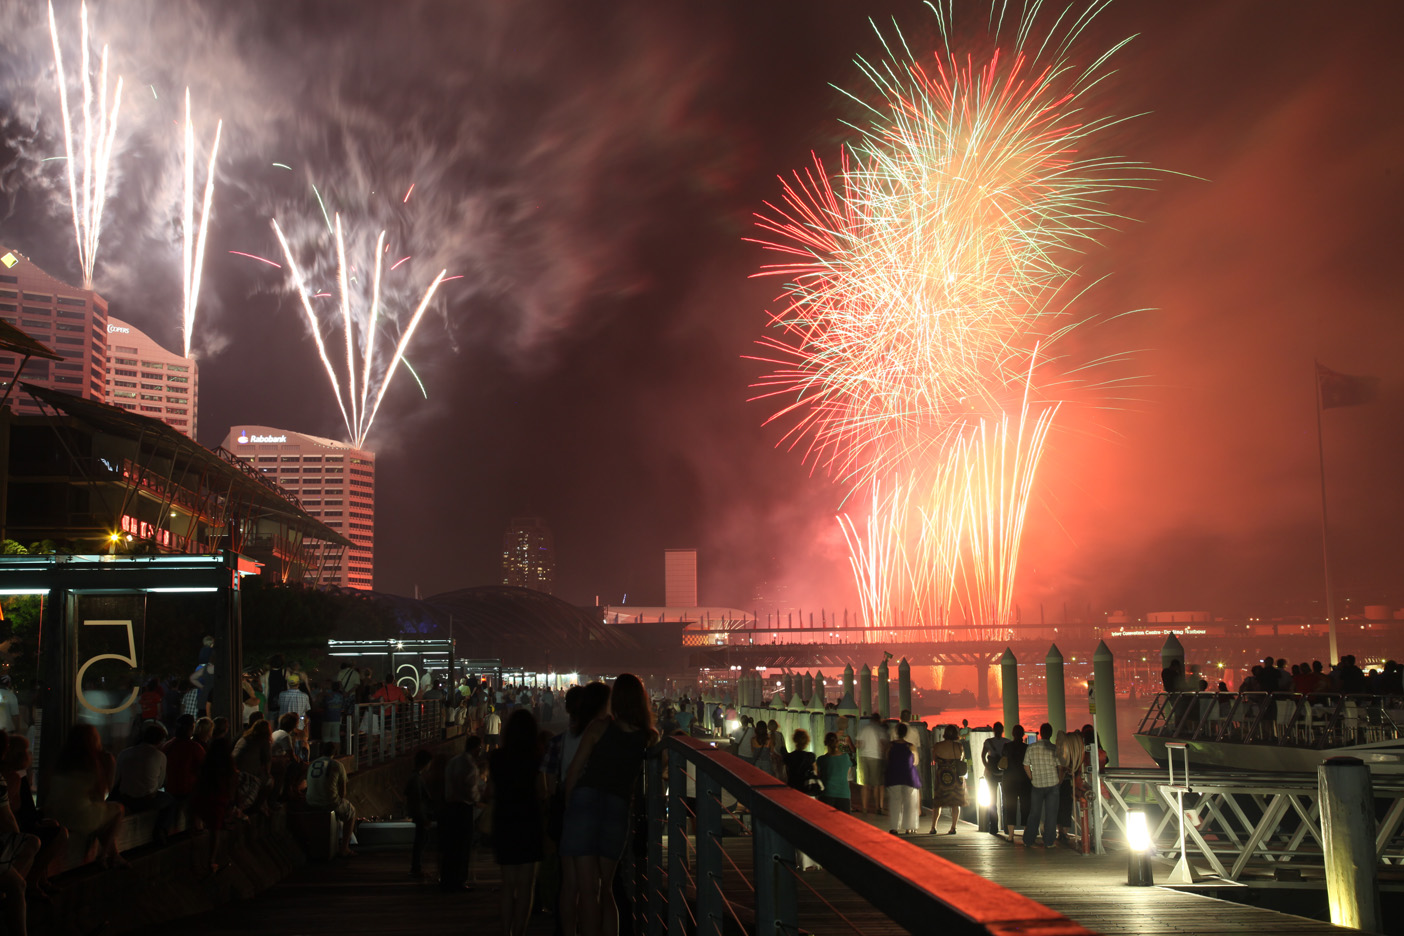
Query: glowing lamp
{"type": "Point", "coordinates": [1139, 845]}
{"type": "Point", "coordinates": [984, 796]}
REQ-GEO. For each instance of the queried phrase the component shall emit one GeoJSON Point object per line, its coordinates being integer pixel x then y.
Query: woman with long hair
{"type": "Point", "coordinates": [599, 788]}
{"type": "Point", "coordinates": [53, 838]}
{"type": "Point", "coordinates": [78, 790]}
{"type": "Point", "coordinates": [253, 756]}
{"type": "Point", "coordinates": [834, 766]}
{"type": "Point", "coordinates": [516, 791]}
{"type": "Point", "coordinates": [950, 772]}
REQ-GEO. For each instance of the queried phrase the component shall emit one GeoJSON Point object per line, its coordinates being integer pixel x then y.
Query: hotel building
{"type": "Point", "coordinates": [529, 555]}
{"type": "Point", "coordinates": [70, 320]}
{"type": "Point", "coordinates": [145, 378]}
{"type": "Point", "coordinates": [335, 483]}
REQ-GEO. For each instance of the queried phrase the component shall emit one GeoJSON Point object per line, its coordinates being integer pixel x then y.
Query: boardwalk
{"type": "Point", "coordinates": [1089, 889]}
{"type": "Point", "coordinates": [371, 894]}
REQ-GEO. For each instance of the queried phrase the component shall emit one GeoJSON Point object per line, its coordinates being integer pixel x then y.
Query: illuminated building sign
{"type": "Point", "coordinates": [245, 438]}
{"type": "Point", "coordinates": [144, 530]}
{"type": "Point", "coordinates": [118, 329]}
{"type": "Point", "coordinates": [9, 260]}
{"type": "Point", "coordinates": [1157, 631]}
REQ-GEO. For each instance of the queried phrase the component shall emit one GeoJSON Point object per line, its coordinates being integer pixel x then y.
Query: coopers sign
{"type": "Point", "coordinates": [118, 330]}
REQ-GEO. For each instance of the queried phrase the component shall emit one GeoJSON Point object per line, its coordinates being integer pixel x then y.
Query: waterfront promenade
{"type": "Point", "coordinates": [371, 894]}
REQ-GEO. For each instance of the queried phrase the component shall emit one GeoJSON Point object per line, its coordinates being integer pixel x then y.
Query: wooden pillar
{"type": "Point", "coordinates": [904, 686]}
{"type": "Point", "coordinates": [1348, 825]}
{"type": "Point", "coordinates": [1105, 696]}
{"type": "Point", "coordinates": [884, 692]}
{"type": "Point", "coordinates": [1009, 689]}
{"type": "Point", "coordinates": [1057, 692]}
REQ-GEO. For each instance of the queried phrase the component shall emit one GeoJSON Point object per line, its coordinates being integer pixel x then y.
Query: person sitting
{"type": "Point", "coordinates": [253, 755]}
{"type": "Point", "coordinates": [140, 775]}
{"type": "Point", "coordinates": [326, 789]}
{"type": "Point", "coordinates": [78, 793]}
{"type": "Point", "coordinates": [52, 837]}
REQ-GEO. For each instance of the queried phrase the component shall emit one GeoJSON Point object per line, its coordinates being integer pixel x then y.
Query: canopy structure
{"type": "Point", "coordinates": [97, 478]}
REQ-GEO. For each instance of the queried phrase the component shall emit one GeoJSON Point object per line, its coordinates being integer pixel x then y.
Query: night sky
{"type": "Point", "coordinates": [591, 170]}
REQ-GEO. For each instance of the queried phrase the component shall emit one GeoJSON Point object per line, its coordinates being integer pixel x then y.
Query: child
{"type": "Point", "coordinates": [417, 809]}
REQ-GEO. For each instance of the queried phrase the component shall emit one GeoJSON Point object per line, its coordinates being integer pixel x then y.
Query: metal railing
{"type": "Point", "coordinates": [1315, 720]}
{"type": "Point", "coordinates": [1240, 826]}
{"type": "Point", "coordinates": [374, 732]}
{"type": "Point", "coordinates": [699, 887]}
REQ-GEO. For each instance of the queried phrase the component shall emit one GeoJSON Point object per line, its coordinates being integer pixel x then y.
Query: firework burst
{"type": "Point", "coordinates": [925, 283]}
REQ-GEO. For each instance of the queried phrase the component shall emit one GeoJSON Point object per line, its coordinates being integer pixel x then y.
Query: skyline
{"type": "Point", "coordinates": [589, 368]}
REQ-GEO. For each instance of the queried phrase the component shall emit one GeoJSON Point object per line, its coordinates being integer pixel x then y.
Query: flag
{"type": "Point", "coordinates": [1334, 389]}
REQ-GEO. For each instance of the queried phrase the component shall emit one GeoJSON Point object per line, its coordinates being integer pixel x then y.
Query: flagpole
{"type": "Point", "coordinates": [1325, 547]}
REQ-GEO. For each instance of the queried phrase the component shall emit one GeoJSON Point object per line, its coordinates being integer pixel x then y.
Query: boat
{"type": "Point", "coordinates": [1274, 732]}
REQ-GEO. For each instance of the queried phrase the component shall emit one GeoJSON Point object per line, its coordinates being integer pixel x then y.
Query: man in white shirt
{"type": "Point", "coordinates": [872, 751]}
{"type": "Point", "coordinates": [493, 729]}
{"type": "Point", "coordinates": [744, 749]}
{"type": "Point", "coordinates": [139, 776]}
{"type": "Point", "coordinates": [9, 707]}
{"type": "Point", "coordinates": [326, 789]}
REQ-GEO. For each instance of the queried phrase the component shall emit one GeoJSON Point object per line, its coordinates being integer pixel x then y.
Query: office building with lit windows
{"type": "Point", "coordinates": [145, 378]}
{"type": "Point", "coordinates": [71, 321]}
{"type": "Point", "coordinates": [334, 482]}
{"type": "Point", "coordinates": [529, 555]}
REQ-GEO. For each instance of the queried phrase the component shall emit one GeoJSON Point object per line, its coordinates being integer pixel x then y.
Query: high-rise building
{"type": "Point", "coordinates": [335, 483]}
{"type": "Point", "coordinates": [680, 578]}
{"type": "Point", "coordinates": [145, 378]}
{"type": "Point", "coordinates": [70, 320]}
{"type": "Point", "coordinates": [529, 555]}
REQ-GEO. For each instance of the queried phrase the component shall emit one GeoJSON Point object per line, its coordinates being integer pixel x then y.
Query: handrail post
{"type": "Point", "coordinates": [774, 861]}
{"type": "Point", "coordinates": [677, 842]}
{"type": "Point", "coordinates": [710, 907]}
{"type": "Point", "coordinates": [653, 872]}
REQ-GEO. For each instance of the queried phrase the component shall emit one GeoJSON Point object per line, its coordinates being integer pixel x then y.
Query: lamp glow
{"type": "Point", "coordinates": [983, 794]}
{"type": "Point", "coordinates": [1137, 831]}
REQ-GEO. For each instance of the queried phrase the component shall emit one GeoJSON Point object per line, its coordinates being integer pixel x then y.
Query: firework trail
{"type": "Point", "coordinates": [923, 287]}
{"type": "Point", "coordinates": [88, 201]}
{"type": "Point", "coordinates": [193, 255]}
{"type": "Point", "coordinates": [354, 407]}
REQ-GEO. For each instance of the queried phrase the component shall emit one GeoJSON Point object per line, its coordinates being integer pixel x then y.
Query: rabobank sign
{"type": "Point", "coordinates": [245, 438]}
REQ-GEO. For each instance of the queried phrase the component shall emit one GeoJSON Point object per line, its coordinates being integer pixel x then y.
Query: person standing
{"type": "Point", "coordinates": [461, 781]}
{"type": "Point", "coordinates": [872, 753]}
{"type": "Point", "coordinates": [951, 768]}
{"type": "Point", "coordinates": [493, 727]}
{"type": "Point", "coordinates": [1045, 773]}
{"type": "Point", "coordinates": [599, 788]}
{"type": "Point", "coordinates": [326, 789]}
{"type": "Point", "coordinates": [903, 784]}
{"type": "Point", "coordinates": [834, 766]}
{"type": "Point", "coordinates": [418, 810]}
{"type": "Point", "coordinates": [1014, 783]}
{"type": "Point", "coordinates": [516, 790]}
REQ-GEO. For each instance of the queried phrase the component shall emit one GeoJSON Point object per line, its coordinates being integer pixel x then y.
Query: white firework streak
{"type": "Point", "coordinates": [312, 322]}
{"type": "Point", "coordinates": [88, 203]}
{"type": "Point", "coordinates": [358, 418]}
{"type": "Point", "coordinates": [195, 257]}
